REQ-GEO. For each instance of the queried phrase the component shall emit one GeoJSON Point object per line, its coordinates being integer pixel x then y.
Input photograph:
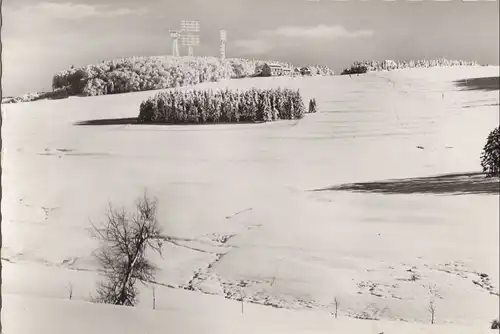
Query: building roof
{"type": "Point", "coordinates": [274, 65]}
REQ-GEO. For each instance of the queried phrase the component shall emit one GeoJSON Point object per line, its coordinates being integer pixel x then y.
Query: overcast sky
{"type": "Point", "coordinates": [42, 37]}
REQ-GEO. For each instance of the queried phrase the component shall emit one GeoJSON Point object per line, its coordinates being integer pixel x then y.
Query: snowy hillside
{"type": "Point", "coordinates": [254, 210]}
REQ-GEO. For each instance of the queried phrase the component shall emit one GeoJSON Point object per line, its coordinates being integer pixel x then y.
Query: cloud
{"type": "Point", "coordinates": [254, 46]}
{"type": "Point", "coordinates": [268, 39]}
{"type": "Point", "coordinates": [320, 31]}
{"type": "Point", "coordinates": [51, 10]}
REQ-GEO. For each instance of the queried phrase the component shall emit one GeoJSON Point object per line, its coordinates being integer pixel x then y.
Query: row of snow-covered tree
{"type": "Point", "coordinates": [56, 94]}
{"type": "Point", "coordinates": [134, 74]}
{"type": "Point", "coordinates": [389, 65]}
{"type": "Point", "coordinates": [223, 106]}
{"type": "Point", "coordinates": [321, 70]}
{"type": "Point", "coordinates": [149, 73]}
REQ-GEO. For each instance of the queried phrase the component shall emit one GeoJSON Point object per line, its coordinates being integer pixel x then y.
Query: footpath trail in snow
{"type": "Point", "coordinates": [237, 203]}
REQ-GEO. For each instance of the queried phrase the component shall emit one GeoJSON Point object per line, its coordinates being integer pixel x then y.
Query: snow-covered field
{"type": "Point", "coordinates": [240, 206]}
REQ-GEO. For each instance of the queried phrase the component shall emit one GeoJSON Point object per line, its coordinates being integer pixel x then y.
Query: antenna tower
{"type": "Point", "coordinates": [189, 37]}
{"type": "Point", "coordinates": [223, 40]}
{"type": "Point", "coordinates": [175, 42]}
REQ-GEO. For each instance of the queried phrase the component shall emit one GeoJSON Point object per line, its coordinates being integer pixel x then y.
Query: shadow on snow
{"type": "Point", "coordinates": [486, 84]}
{"type": "Point", "coordinates": [133, 120]}
{"type": "Point", "coordinates": [109, 121]}
{"type": "Point", "coordinates": [458, 184]}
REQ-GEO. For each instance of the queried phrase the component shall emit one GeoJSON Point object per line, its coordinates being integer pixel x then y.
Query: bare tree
{"type": "Point", "coordinates": [242, 296]}
{"type": "Point", "coordinates": [70, 290]}
{"type": "Point", "coordinates": [432, 310]}
{"type": "Point", "coordinates": [125, 239]}
{"type": "Point", "coordinates": [154, 298]}
{"type": "Point", "coordinates": [336, 303]}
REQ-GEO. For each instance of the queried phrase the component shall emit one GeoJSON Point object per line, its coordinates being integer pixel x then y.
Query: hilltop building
{"type": "Point", "coordinates": [272, 70]}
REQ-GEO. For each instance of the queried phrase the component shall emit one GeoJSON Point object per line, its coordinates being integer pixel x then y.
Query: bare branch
{"type": "Point", "coordinates": [125, 240]}
{"type": "Point", "coordinates": [432, 310]}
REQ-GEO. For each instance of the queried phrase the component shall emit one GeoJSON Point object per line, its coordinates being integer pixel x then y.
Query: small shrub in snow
{"type": "Point", "coordinates": [312, 106]}
{"type": "Point", "coordinates": [490, 157]}
{"type": "Point", "coordinates": [355, 69]}
{"type": "Point", "coordinates": [197, 107]}
{"type": "Point", "coordinates": [125, 240]}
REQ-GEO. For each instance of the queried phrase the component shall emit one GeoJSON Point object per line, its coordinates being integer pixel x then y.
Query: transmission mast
{"type": "Point", "coordinates": [175, 42]}
{"type": "Point", "coordinates": [189, 37]}
{"type": "Point", "coordinates": [223, 41]}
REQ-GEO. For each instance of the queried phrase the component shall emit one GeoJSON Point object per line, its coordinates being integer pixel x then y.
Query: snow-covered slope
{"type": "Point", "coordinates": [239, 204]}
{"type": "Point", "coordinates": [192, 313]}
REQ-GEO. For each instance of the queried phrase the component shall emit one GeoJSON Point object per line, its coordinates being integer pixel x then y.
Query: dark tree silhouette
{"type": "Point", "coordinates": [490, 157]}
{"type": "Point", "coordinates": [125, 239]}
